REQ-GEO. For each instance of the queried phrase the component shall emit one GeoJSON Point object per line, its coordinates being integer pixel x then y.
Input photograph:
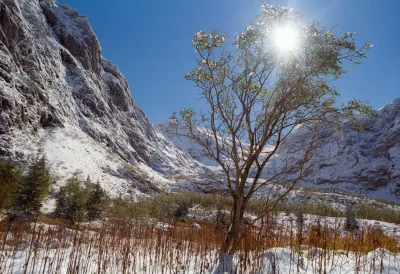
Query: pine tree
{"type": "Point", "coordinates": [351, 222]}
{"type": "Point", "coordinates": [10, 178]}
{"type": "Point", "coordinates": [300, 217]}
{"type": "Point", "coordinates": [30, 194]}
{"type": "Point", "coordinates": [96, 203]}
{"type": "Point", "coordinates": [71, 201]}
{"type": "Point", "coordinates": [61, 210]}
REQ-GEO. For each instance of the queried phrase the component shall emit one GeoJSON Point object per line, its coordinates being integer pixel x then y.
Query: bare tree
{"type": "Point", "coordinates": [258, 92]}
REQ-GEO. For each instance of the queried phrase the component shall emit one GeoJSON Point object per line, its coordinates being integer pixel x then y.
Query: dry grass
{"type": "Point", "coordinates": [135, 246]}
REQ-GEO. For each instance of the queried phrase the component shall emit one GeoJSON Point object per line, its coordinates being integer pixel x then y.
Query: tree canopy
{"type": "Point", "coordinates": [258, 91]}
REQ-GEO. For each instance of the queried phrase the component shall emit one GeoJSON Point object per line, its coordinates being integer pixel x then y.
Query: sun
{"type": "Point", "coordinates": [286, 38]}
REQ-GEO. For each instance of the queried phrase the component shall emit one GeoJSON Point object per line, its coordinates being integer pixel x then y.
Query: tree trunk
{"type": "Point", "coordinates": [232, 237]}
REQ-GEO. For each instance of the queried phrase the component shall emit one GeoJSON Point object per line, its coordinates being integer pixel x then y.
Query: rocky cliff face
{"type": "Point", "coordinates": [365, 162]}
{"type": "Point", "coordinates": [59, 95]}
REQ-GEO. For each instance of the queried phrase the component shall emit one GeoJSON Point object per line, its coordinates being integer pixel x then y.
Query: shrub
{"type": "Point", "coordinates": [376, 212]}
{"type": "Point", "coordinates": [124, 209]}
{"type": "Point", "coordinates": [182, 210]}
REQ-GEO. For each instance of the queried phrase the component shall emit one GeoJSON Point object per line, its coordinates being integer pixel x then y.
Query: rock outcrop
{"type": "Point", "coordinates": [59, 95]}
{"type": "Point", "coordinates": [365, 162]}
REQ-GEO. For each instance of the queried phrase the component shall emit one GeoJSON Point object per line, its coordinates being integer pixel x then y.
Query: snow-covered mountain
{"type": "Point", "coordinates": [365, 162]}
{"type": "Point", "coordinates": [59, 95]}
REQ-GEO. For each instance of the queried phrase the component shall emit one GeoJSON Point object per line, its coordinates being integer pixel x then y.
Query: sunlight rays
{"type": "Point", "coordinates": [286, 38]}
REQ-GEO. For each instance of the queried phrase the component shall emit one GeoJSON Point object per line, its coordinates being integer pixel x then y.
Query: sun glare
{"type": "Point", "coordinates": [286, 38]}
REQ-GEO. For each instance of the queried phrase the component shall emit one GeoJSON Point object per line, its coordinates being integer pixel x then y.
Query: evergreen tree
{"type": "Point", "coordinates": [182, 209]}
{"type": "Point", "coordinates": [96, 202]}
{"type": "Point", "coordinates": [10, 178]}
{"type": "Point", "coordinates": [30, 194]}
{"type": "Point", "coordinates": [300, 217]}
{"type": "Point", "coordinates": [351, 222]}
{"type": "Point", "coordinates": [61, 210]}
{"type": "Point", "coordinates": [88, 182]}
{"type": "Point", "coordinates": [71, 201]}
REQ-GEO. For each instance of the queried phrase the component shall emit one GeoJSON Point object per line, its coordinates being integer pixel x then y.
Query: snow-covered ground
{"type": "Point", "coordinates": [281, 260]}
{"type": "Point", "coordinates": [144, 247]}
{"type": "Point", "coordinates": [70, 152]}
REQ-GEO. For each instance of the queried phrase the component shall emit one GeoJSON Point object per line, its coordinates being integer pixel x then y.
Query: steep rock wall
{"type": "Point", "coordinates": [55, 84]}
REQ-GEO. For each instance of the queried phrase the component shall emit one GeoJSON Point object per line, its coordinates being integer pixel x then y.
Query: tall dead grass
{"type": "Point", "coordinates": [142, 247]}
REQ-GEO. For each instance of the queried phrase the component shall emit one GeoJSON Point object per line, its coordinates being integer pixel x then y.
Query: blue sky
{"type": "Point", "coordinates": [150, 42]}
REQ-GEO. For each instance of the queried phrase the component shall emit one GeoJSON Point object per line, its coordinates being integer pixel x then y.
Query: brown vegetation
{"type": "Point", "coordinates": [132, 246]}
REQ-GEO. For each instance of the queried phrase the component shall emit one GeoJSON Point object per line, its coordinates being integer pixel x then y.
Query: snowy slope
{"type": "Point", "coordinates": [59, 95]}
{"type": "Point", "coordinates": [365, 162]}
